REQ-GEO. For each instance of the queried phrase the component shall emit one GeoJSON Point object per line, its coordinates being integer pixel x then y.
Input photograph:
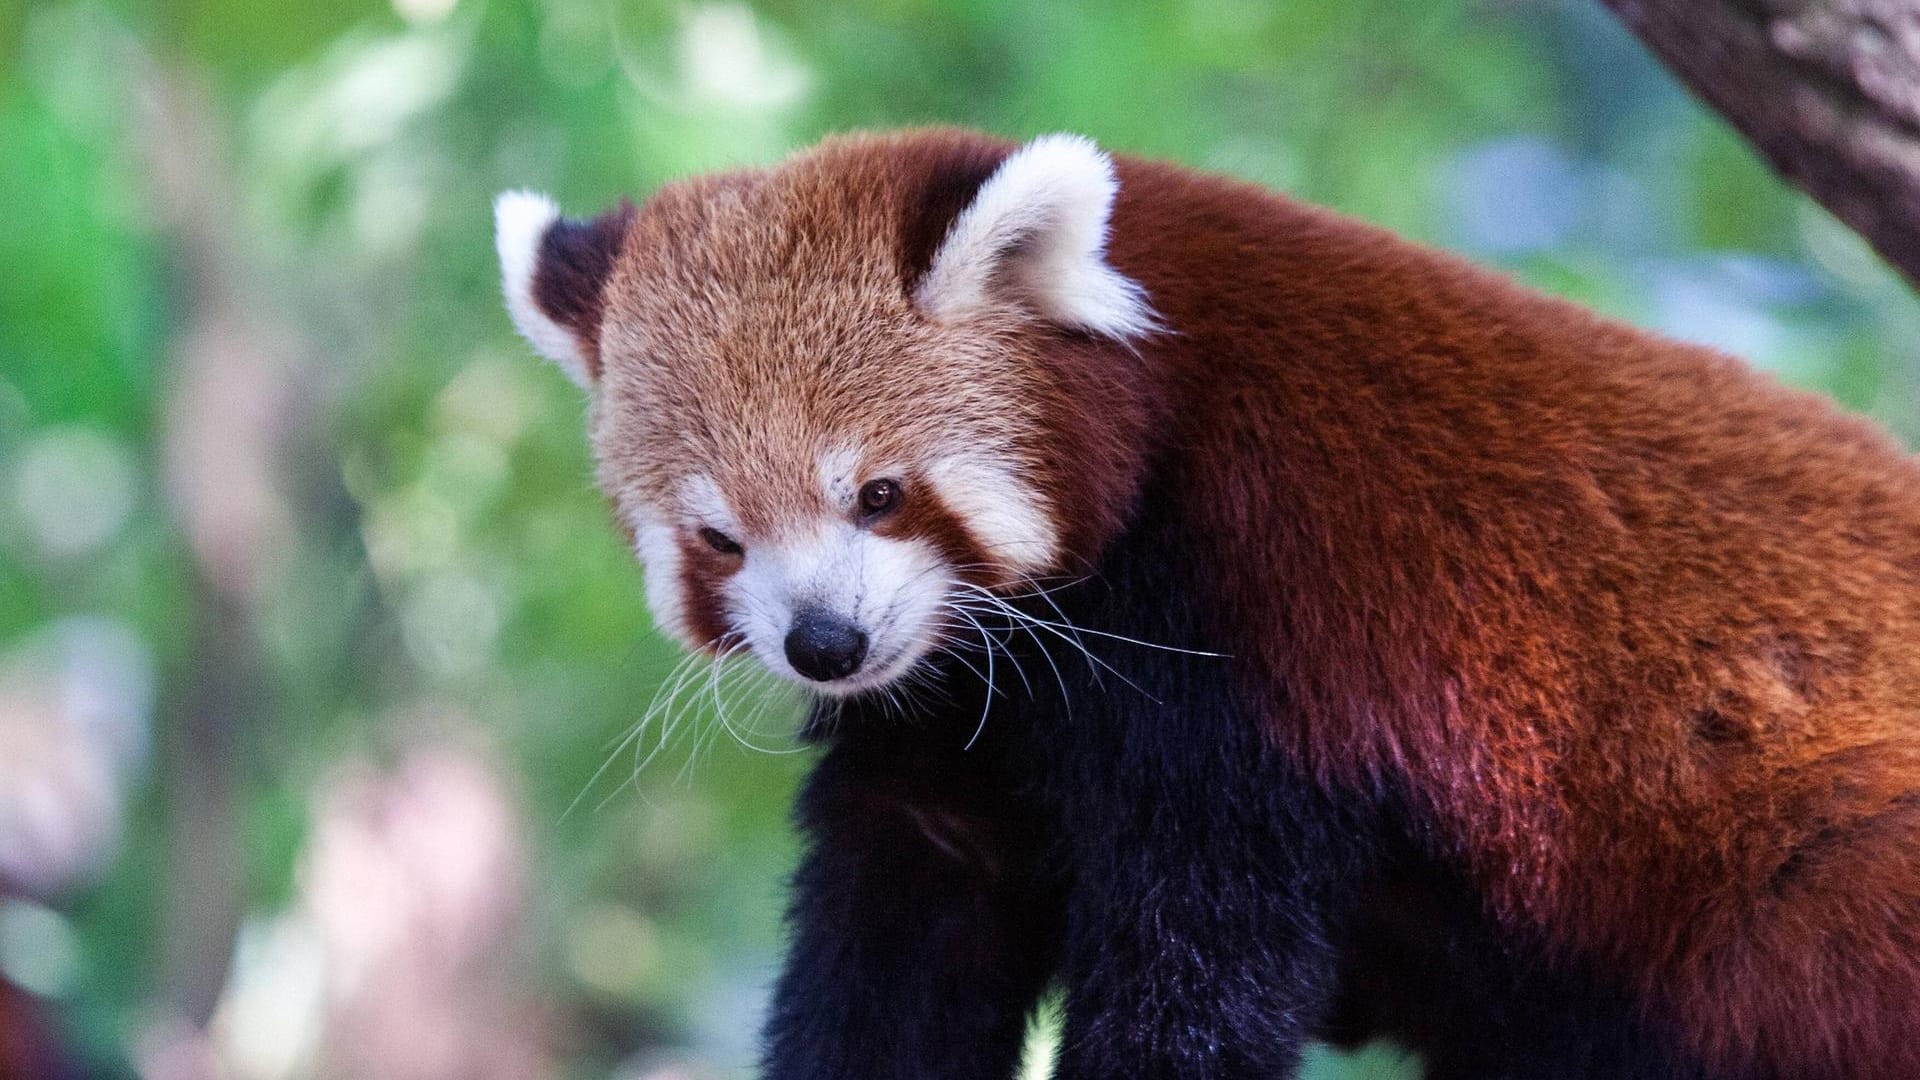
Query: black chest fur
{"type": "Point", "coordinates": [1110, 816]}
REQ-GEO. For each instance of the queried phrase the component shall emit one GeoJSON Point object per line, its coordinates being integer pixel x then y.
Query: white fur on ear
{"type": "Point", "coordinates": [1038, 229]}
{"type": "Point", "coordinates": [520, 223]}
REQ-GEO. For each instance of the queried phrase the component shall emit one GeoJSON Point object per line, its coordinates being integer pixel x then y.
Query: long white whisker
{"type": "Point", "coordinates": [1066, 697]}
{"type": "Point", "coordinates": [673, 717]}
{"type": "Point", "coordinates": [987, 705]}
{"type": "Point", "coordinates": [1047, 596]}
{"type": "Point", "coordinates": [1068, 625]}
{"type": "Point", "coordinates": [720, 713]}
{"type": "Point", "coordinates": [632, 737]}
{"type": "Point", "coordinates": [1013, 612]}
{"type": "Point", "coordinates": [1006, 648]}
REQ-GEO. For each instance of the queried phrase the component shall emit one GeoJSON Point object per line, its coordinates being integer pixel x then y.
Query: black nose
{"type": "Point", "coordinates": [824, 646]}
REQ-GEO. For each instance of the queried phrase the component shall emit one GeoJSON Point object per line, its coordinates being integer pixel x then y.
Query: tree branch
{"type": "Point", "coordinates": [1827, 90]}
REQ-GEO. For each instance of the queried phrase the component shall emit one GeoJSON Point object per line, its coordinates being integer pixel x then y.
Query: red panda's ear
{"type": "Point", "coordinates": [554, 273]}
{"type": "Point", "coordinates": [1035, 238]}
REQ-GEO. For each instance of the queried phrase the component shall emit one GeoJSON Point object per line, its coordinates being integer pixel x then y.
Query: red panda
{"type": "Point", "coordinates": [1404, 652]}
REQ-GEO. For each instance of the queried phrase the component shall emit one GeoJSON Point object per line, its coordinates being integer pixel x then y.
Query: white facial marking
{"type": "Point", "coordinates": [1039, 226]}
{"type": "Point", "coordinates": [520, 223]}
{"type": "Point", "coordinates": [1003, 512]}
{"type": "Point", "coordinates": [657, 542]}
{"type": "Point", "coordinates": [891, 589]}
{"type": "Point", "coordinates": [839, 480]}
{"type": "Point", "coordinates": [896, 591]}
{"type": "Point", "coordinates": [706, 505]}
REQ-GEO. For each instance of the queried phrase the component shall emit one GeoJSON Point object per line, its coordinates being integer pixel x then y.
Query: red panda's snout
{"type": "Point", "coordinates": [842, 609]}
{"type": "Point", "coordinates": [846, 403]}
{"type": "Point", "coordinates": [848, 582]}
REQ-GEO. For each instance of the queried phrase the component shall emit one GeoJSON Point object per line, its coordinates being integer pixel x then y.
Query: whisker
{"type": "Point", "coordinates": [632, 737]}
{"type": "Point", "coordinates": [987, 705]}
{"type": "Point", "coordinates": [720, 713]}
{"type": "Point", "coordinates": [990, 596]}
{"type": "Point", "coordinates": [1011, 658]}
{"type": "Point", "coordinates": [674, 717]}
{"type": "Point", "coordinates": [1012, 612]}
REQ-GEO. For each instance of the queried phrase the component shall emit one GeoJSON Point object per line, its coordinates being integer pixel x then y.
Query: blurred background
{"type": "Point", "coordinates": [323, 673]}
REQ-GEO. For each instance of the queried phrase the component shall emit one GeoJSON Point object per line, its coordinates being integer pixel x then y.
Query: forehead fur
{"type": "Point", "coordinates": [759, 320]}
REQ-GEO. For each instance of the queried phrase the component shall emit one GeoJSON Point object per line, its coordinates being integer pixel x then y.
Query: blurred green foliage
{"type": "Point", "coordinates": [448, 556]}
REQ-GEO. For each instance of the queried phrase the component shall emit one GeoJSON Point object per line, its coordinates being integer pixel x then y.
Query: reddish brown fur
{"type": "Point", "coordinates": [703, 574]}
{"type": "Point", "coordinates": [1630, 625]}
{"type": "Point", "coordinates": [1635, 624]}
{"type": "Point", "coordinates": [924, 516]}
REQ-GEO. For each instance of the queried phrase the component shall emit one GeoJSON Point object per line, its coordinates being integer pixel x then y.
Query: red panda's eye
{"type": "Point", "coordinates": [720, 542]}
{"type": "Point", "coordinates": [878, 497]}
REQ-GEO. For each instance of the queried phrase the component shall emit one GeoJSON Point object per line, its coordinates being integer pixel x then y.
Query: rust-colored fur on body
{"type": "Point", "coordinates": [1638, 626]}
{"type": "Point", "coordinates": [1630, 631]}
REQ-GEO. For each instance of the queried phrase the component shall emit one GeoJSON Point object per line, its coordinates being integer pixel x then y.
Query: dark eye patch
{"type": "Point", "coordinates": [721, 542]}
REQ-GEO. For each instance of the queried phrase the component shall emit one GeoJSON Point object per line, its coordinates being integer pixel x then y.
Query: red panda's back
{"type": "Point", "coordinates": [1637, 625]}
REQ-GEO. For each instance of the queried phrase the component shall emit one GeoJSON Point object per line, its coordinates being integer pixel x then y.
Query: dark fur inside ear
{"type": "Point", "coordinates": [570, 277]}
{"type": "Point", "coordinates": [1020, 234]}
{"type": "Point", "coordinates": [952, 180]}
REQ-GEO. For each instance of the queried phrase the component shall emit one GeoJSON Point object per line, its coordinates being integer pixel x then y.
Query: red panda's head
{"type": "Point", "coordinates": [831, 398]}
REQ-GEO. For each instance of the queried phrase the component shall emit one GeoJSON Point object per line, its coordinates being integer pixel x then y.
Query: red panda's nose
{"type": "Point", "coordinates": [823, 646]}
